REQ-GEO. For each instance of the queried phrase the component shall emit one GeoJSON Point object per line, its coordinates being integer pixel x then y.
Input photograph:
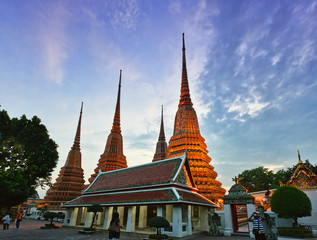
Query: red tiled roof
{"type": "Point", "coordinates": [126, 198]}
{"type": "Point", "coordinates": [194, 197]}
{"type": "Point", "coordinates": [149, 174]}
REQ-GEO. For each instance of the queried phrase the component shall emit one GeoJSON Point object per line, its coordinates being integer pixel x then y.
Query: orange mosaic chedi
{"type": "Point", "coordinates": [70, 181]}
{"type": "Point", "coordinates": [113, 157]}
{"type": "Point", "coordinates": [187, 136]}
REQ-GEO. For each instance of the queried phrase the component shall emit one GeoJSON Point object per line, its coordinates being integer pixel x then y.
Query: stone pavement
{"type": "Point", "coordinates": [30, 229]}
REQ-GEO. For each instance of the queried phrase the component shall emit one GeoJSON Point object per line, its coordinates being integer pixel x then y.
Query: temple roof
{"type": "Point", "coordinates": [166, 181]}
{"type": "Point", "coordinates": [161, 145]}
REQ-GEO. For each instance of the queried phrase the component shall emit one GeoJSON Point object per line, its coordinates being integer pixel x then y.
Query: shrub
{"type": "Point", "coordinates": [290, 202]}
{"type": "Point", "coordinates": [295, 232]}
{"type": "Point", "coordinates": [159, 222]}
{"type": "Point", "coordinates": [94, 208]}
{"type": "Point", "coordinates": [50, 215]}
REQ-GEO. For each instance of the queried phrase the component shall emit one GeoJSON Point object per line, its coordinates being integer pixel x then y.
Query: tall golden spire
{"type": "Point", "coordinates": [112, 157]}
{"type": "Point", "coordinates": [187, 137]}
{"type": "Point", "coordinates": [76, 144]}
{"type": "Point", "coordinates": [116, 119]}
{"type": "Point", "coordinates": [185, 95]}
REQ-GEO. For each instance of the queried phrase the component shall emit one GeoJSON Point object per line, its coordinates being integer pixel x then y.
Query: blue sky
{"type": "Point", "coordinates": [252, 68]}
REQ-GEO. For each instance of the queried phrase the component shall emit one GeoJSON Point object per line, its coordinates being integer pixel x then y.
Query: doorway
{"type": "Point", "coordinates": [239, 218]}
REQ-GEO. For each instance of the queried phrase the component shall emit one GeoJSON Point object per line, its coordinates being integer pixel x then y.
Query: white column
{"type": "Point", "coordinates": [142, 216]}
{"type": "Point", "coordinates": [120, 210]}
{"type": "Point", "coordinates": [189, 220]}
{"type": "Point", "coordinates": [177, 221]}
{"type": "Point", "coordinates": [169, 213]}
{"type": "Point", "coordinates": [83, 214]}
{"type": "Point", "coordinates": [250, 210]}
{"type": "Point", "coordinates": [73, 217]}
{"type": "Point", "coordinates": [203, 215]}
{"type": "Point", "coordinates": [108, 217]}
{"type": "Point", "coordinates": [159, 211]}
{"type": "Point", "coordinates": [66, 218]}
{"type": "Point", "coordinates": [228, 220]}
{"type": "Point", "coordinates": [131, 219]}
{"type": "Point", "coordinates": [88, 219]}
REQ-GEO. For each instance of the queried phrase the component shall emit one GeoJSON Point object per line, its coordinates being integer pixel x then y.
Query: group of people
{"type": "Point", "coordinates": [7, 219]}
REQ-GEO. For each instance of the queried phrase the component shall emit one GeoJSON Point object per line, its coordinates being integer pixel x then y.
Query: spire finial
{"type": "Point", "coordinates": [299, 160]}
{"type": "Point", "coordinates": [162, 134]}
{"type": "Point", "coordinates": [116, 119]}
{"type": "Point", "coordinates": [76, 144]}
{"type": "Point", "coordinates": [185, 96]}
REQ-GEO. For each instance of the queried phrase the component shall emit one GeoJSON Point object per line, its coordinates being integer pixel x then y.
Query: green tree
{"type": "Point", "coordinates": [159, 223]}
{"type": "Point", "coordinates": [94, 208]}
{"type": "Point", "coordinates": [27, 158]}
{"type": "Point", "coordinates": [290, 202]}
{"type": "Point", "coordinates": [258, 179]}
{"type": "Point", "coordinates": [50, 215]}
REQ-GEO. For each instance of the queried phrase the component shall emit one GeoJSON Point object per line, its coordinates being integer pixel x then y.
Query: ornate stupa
{"type": "Point", "coordinates": [70, 181]}
{"type": "Point", "coordinates": [187, 136]}
{"type": "Point", "coordinates": [113, 157]}
{"type": "Point", "coordinates": [161, 145]}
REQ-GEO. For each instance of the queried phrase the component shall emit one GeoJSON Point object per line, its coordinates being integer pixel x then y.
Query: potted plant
{"type": "Point", "coordinates": [50, 215]}
{"type": "Point", "coordinates": [159, 223]}
{"type": "Point", "coordinates": [95, 208]}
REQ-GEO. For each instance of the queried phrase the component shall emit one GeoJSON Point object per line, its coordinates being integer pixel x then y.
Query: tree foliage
{"type": "Point", "coordinates": [159, 222]}
{"type": "Point", "coordinates": [290, 202]}
{"type": "Point", "coordinates": [94, 208]}
{"type": "Point", "coordinates": [27, 158]}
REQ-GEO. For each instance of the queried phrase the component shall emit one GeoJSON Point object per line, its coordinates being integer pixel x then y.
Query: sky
{"type": "Point", "coordinates": [252, 69]}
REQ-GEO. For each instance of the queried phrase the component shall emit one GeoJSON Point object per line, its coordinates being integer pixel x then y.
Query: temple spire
{"type": "Point", "coordinates": [299, 160]}
{"type": "Point", "coordinates": [76, 144]}
{"type": "Point", "coordinates": [161, 146]}
{"type": "Point", "coordinates": [185, 96]}
{"type": "Point", "coordinates": [162, 133]}
{"type": "Point", "coordinates": [116, 119]}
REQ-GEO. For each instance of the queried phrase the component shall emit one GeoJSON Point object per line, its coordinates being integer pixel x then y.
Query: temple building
{"type": "Point", "coordinates": [161, 146]}
{"type": "Point", "coordinates": [112, 158]}
{"type": "Point", "coordinates": [70, 181]}
{"type": "Point", "coordinates": [303, 177]}
{"type": "Point", "coordinates": [187, 137]}
{"type": "Point", "coordinates": [162, 188]}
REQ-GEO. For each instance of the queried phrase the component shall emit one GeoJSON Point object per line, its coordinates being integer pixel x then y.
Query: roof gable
{"type": "Point", "coordinates": [303, 177]}
{"type": "Point", "coordinates": [174, 170]}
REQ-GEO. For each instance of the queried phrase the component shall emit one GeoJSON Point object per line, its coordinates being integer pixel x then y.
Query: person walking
{"type": "Point", "coordinates": [19, 219]}
{"type": "Point", "coordinates": [114, 228]}
{"type": "Point", "coordinates": [6, 221]}
{"type": "Point", "coordinates": [258, 229]}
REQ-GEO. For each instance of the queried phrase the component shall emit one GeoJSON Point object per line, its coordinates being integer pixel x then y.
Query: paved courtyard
{"type": "Point", "coordinates": [30, 229]}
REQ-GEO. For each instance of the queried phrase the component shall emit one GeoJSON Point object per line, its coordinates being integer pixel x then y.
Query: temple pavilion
{"type": "Point", "coordinates": [139, 193]}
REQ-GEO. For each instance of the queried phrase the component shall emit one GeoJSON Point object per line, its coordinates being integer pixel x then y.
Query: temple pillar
{"type": "Point", "coordinates": [66, 218]}
{"type": "Point", "coordinates": [189, 220]}
{"type": "Point", "coordinates": [159, 211]}
{"type": "Point", "coordinates": [203, 213]}
{"type": "Point", "coordinates": [169, 213]}
{"type": "Point", "coordinates": [177, 221]}
{"type": "Point", "coordinates": [108, 217]}
{"type": "Point", "coordinates": [73, 217]}
{"type": "Point", "coordinates": [250, 210]}
{"type": "Point", "coordinates": [142, 216]}
{"type": "Point", "coordinates": [83, 215]}
{"type": "Point", "coordinates": [120, 210]}
{"type": "Point", "coordinates": [89, 217]}
{"type": "Point", "coordinates": [131, 219]}
{"type": "Point", "coordinates": [228, 220]}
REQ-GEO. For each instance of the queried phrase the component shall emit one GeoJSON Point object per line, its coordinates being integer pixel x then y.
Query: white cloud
{"type": "Point", "coordinates": [123, 13]}
{"type": "Point", "coordinates": [53, 38]}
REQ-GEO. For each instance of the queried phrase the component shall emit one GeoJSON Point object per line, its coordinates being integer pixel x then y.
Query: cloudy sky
{"type": "Point", "coordinates": [252, 68]}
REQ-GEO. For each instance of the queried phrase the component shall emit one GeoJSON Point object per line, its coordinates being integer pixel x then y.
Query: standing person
{"type": "Point", "coordinates": [19, 219]}
{"type": "Point", "coordinates": [114, 228]}
{"type": "Point", "coordinates": [6, 221]}
{"type": "Point", "coordinates": [258, 229]}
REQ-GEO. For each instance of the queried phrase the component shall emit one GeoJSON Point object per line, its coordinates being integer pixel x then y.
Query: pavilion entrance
{"type": "Point", "coordinates": [239, 218]}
